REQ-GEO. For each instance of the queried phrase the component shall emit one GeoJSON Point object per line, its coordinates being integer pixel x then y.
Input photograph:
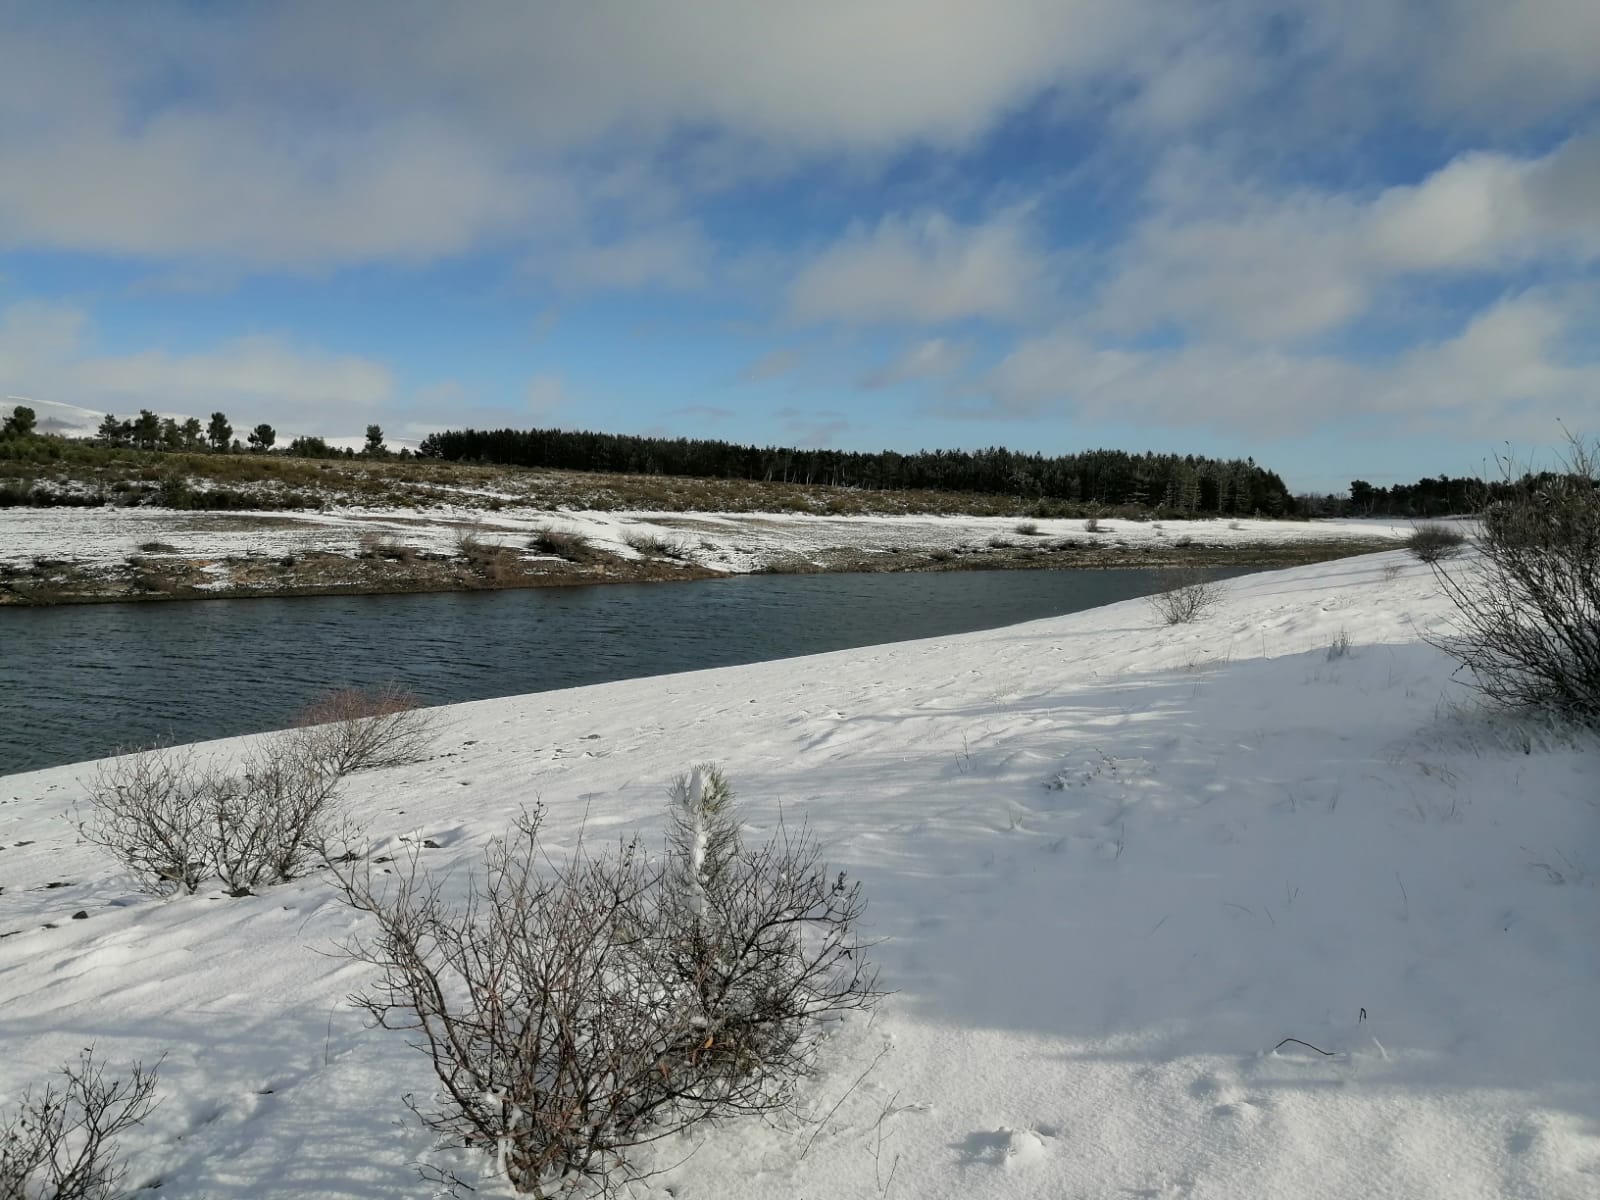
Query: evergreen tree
{"type": "Point", "coordinates": [147, 430]}
{"type": "Point", "coordinates": [219, 432]}
{"type": "Point", "coordinates": [193, 434]}
{"type": "Point", "coordinates": [374, 446]}
{"type": "Point", "coordinates": [111, 430]}
{"type": "Point", "coordinates": [20, 423]}
{"type": "Point", "coordinates": [262, 437]}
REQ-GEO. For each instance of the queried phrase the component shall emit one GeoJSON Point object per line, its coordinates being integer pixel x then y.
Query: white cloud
{"type": "Point", "coordinates": [1510, 372]}
{"type": "Point", "coordinates": [45, 350]}
{"type": "Point", "coordinates": [1493, 63]}
{"type": "Point", "coordinates": [676, 257]}
{"type": "Point", "coordinates": [931, 358]}
{"type": "Point", "coordinates": [923, 269]}
{"type": "Point", "coordinates": [775, 364]}
{"type": "Point", "coordinates": [1220, 258]}
{"type": "Point", "coordinates": [301, 135]}
{"type": "Point", "coordinates": [545, 395]}
{"type": "Point", "coordinates": [812, 427]}
{"type": "Point", "coordinates": [1484, 210]}
{"type": "Point", "coordinates": [308, 134]}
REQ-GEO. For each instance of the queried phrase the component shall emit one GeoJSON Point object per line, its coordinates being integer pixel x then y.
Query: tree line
{"type": "Point", "coordinates": [148, 431]}
{"type": "Point", "coordinates": [1185, 484]}
{"type": "Point", "coordinates": [1437, 497]}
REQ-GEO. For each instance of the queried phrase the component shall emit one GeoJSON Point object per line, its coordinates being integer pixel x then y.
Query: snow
{"type": "Point", "coordinates": [732, 542]}
{"type": "Point", "coordinates": [1115, 865]}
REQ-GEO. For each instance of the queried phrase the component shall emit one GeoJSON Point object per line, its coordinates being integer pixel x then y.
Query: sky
{"type": "Point", "coordinates": [1353, 240]}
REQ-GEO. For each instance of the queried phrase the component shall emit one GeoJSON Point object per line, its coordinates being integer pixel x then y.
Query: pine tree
{"type": "Point", "coordinates": [20, 423]}
{"type": "Point", "coordinates": [219, 432]}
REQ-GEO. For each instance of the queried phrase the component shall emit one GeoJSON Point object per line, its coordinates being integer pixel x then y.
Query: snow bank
{"type": "Point", "coordinates": [1115, 864]}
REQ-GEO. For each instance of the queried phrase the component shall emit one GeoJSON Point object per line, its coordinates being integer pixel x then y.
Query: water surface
{"type": "Point", "coordinates": [79, 681]}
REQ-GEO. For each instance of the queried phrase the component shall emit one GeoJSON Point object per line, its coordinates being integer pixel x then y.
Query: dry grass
{"type": "Point", "coordinates": [572, 547]}
{"type": "Point", "coordinates": [354, 729]}
{"type": "Point", "coordinates": [654, 546]}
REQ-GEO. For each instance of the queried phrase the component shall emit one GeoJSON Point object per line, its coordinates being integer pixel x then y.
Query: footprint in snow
{"type": "Point", "coordinates": [1003, 1147]}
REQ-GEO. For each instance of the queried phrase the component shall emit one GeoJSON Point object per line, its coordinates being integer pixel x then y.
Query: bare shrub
{"type": "Point", "coordinates": [60, 1142]}
{"type": "Point", "coordinates": [1184, 540]}
{"type": "Point", "coordinates": [942, 554]}
{"type": "Point", "coordinates": [573, 547]}
{"type": "Point", "coordinates": [1432, 542]}
{"type": "Point", "coordinates": [654, 546]}
{"type": "Point", "coordinates": [1000, 543]}
{"type": "Point", "coordinates": [150, 812]}
{"type": "Point", "coordinates": [1028, 528]}
{"type": "Point", "coordinates": [1091, 524]}
{"type": "Point", "coordinates": [576, 1011]}
{"type": "Point", "coordinates": [353, 730]}
{"type": "Point", "coordinates": [276, 821]}
{"type": "Point", "coordinates": [1185, 595]}
{"type": "Point", "coordinates": [1391, 571]}
{"type": "Point", "coordinates": [175, 823]}
{"type": "Point", "coordinates": [1528, 604]}
{"type": "Point", "coordinates": [470, 544]}
{"type": "Point", "coordinates": [374, 544]}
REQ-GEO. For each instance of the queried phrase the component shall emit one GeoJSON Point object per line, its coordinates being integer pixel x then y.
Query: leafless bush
{"type": "Point", "coordinates": [174, 823]}
{"type": "Point", "coordinates": [352, 730]}
{"type": "Point", "coordinates": [1185, 595]}
{"type": "Point", "coordinates": [1028, 528]}
{"type": "Point", "coordinates": [277, 820]}
{"type": "Point", "coordinates": [59, 1143]}
{"type": "Point", "coordinates": [576, 1011]}
{"type": "Point", "coordinates": [573, 547]}
{"type": "Point", "coordinates": [150, 811]}
{"type": "Point", "coordinates": [1091, 524]}
{"type": "Point", "coordinates": [1391, 571]}
{"type": "Point", "coordinates": [1340, 646]}
{"type": "Point", "coordinates": [654, 546]}
{"type": "Point", "coordinates": [374, 544]}
{"type": "Point", "coordinates": [470, 544]}
{"type": "Point", "coordinates": [1432, 542]}
{"type": "Point", "coordinates": [1528, 603]}
{"type": "Point", "coordinates": [1000, 543]}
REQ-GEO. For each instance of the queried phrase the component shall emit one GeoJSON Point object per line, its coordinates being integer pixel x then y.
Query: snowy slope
{"type": "Point", "coordinates": [1115, 865]}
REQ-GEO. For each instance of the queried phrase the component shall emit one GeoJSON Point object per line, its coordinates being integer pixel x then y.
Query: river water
{"type": "Point", "coordinates": [81, 681]}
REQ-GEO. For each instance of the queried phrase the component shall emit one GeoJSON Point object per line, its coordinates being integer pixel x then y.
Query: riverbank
{"type": "Point", "coordinates": [1255, 907]}
{"type": "Point", "coordinates": [87, 555]}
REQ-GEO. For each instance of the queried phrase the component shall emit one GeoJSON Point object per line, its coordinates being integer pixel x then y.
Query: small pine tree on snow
{"type": "Point", "coordinates": [703, 840]}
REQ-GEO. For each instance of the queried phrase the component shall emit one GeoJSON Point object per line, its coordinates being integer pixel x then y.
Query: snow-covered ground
{"type": "Point", "coordinates": [732, 542]}
{"type": "Point", "coordinates": [1114, 866]}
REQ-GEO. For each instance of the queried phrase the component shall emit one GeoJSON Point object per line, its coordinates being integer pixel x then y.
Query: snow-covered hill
{"type": "Point", "coordinates": [1115, 865]}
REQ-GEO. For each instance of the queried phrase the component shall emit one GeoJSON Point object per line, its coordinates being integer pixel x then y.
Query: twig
{"type": "Point", "coordinates": [848, 1092]}
{"type": "Point", "coordinates": [1307, 1045]}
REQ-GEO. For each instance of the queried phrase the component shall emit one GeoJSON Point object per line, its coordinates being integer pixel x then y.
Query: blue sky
{"type": "Point", "coordinates": [1353, 239]}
